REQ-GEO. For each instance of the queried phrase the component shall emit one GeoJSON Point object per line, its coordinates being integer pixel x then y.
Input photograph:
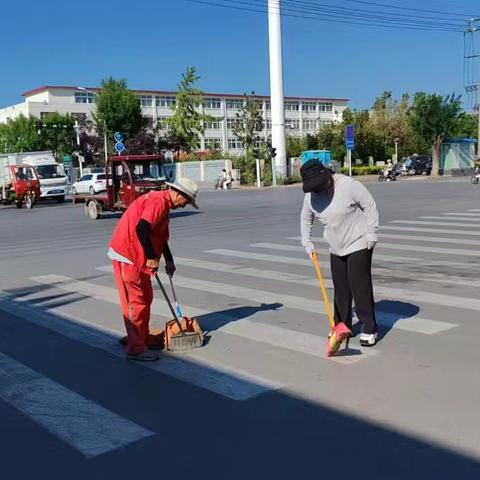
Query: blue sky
{"type": "Point", "coordinates": [150, 42]}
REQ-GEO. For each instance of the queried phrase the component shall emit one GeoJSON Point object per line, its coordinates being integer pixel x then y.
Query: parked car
{"type": "Point", "coordinates": [91, 183]}
{"type": "Point", "coordinates": [418, 164]}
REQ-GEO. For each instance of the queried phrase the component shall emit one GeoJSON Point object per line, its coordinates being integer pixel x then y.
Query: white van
{"type": "Point", "coordinates": [53, 181]}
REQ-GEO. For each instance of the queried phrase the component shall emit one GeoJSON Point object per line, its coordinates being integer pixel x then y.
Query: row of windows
{"type": "Point", "coordinates": [84, 97]}
{"type": "Point", "coordinates": [214, 103]}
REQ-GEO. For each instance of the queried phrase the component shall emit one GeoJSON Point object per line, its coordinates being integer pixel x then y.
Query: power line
{"type": "Point", "coordinates": [390, 22]}
{"type": "Point", "coordinates": [413, 20]}
{"type": "Point", "coordinates": [396, 7]}
{"type": "Point", "coordinates": [322, 6]}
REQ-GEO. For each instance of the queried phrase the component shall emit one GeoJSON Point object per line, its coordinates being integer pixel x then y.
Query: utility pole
{"type": "Point", "coordinates": [472, 68]}
{"type": "Point", "coordinates": [276, 89]}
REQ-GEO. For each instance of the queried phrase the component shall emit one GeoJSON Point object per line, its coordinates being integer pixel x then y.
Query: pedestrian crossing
{"type": "Point", "coordinates": [275, 280]}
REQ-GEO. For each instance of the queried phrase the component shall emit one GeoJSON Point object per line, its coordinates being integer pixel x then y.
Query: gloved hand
{"type": "Point", "coordinates": [170, 268]}
{"type": "Point", "coordinates": [371, 245]}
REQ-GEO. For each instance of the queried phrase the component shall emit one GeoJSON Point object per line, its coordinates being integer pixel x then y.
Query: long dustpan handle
{"type": "Point", "coordinates": [324, 290]}
{"type": "Point", "coordinates": [177, 305]}
{"type": "Point", "coordinates": [168, 301]}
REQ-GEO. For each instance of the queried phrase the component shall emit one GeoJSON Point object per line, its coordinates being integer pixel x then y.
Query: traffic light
{"type": "Point", "coordinates": [256, 152]}
{"type": "Point", "coordinates": [273, 152]}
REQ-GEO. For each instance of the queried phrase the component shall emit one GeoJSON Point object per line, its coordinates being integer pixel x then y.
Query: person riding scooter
{"type": "Point", "coordinates": [388, 171]}
{"type": "Point", "coordinates": [225, 180]}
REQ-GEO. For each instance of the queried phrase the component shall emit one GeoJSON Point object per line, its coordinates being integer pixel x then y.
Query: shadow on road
{"type": "Point", "coordinates": [276, 434]}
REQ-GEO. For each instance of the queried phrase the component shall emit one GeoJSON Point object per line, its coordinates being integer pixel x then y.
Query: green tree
{"type": "Point", "coordinates": [249, 122]}
{"type": "Point", "coordinates": [295, 145]}
{"type": "Point", "coordinates": [118, 110]}
{"type": "Point", "coordinates": [57, 133]}
{"type": "Point", "coordinates": [20, 135]}
{"type": "Point", "coordinates": [467, 126]}
{"type": "Point", "coordinates": [187, 123]}
{"type": "Point", "coordinates": [433, 118]}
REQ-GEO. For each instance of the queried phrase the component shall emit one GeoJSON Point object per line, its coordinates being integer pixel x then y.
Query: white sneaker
{"type": "Point", "coordinates": [368, 339]}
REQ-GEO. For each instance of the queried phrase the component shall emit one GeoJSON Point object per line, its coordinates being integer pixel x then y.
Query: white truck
{"type": "Point", "coordinates": [53, 181]}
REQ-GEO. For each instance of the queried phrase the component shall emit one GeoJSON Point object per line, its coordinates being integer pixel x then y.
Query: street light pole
{"type": "Point", "coordinates": [105, 142]}
{"type": "Point", "coordinates": [396, 150]}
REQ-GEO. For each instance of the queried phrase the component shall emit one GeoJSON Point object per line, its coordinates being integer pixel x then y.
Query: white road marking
{"type": "Point", "coordinates": [440, 224]}
{"type": "Point", "coordinates": [296, 341]}
{"type": "Point", "coordinates": [82, 423]}
{"type": "Point", "coordinates": [451, 219]}
{"type": "Point", "coordinates": [413, 324]}
{"type": "Point", "coordinates": [464, 214]}
{"type": "Point", "coordinates": [418, 248]}
{"type": "Point", "coordinates": [421, 238]}
{"type": "Point", "coordinates": [406, 261]}
{"type": "Point", "coordinates": [223, 380]}
{"type": "Point", "coordinates": [432, 230]}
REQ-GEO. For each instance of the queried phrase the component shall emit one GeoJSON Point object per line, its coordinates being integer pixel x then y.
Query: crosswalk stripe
{"type": "Point", "coordinates": [223, 380]}
{"type": "Point", "coordinates": [451, 219]}
{"type": "Point", "coordinates": [418, 248]}
{"type": "Point", "coordinates": [296, 340]}
{"type": "Point", "coordinates": [83, 424]}
{"type": "Point", "coordinates": [432, 230]}
{"type": "Point", "coordinates": [421, 238]}
{"type": "Point", "coordinates": [464, 214]}
{"type": "Point", "coordinates": [474, 210]}
{"type": "Point", "coordinates": [440, 224]}
{"type": "Point", "coordinates": [445, 279]}
{"type": "Point", "coordinates": [415, 324]}
{"type": "Point", "coordinates": [389, 292]}
{"type": "Point", "coordinates": [407, 260]}
{"type": "Point", "coordinates": [38, 249]}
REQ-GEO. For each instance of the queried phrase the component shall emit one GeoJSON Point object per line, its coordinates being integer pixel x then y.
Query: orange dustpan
{"type": "Point", "coordinates": [338, 332]}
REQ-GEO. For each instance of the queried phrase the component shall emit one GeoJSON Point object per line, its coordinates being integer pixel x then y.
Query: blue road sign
{"type": "Point", "coordinates": [119, 147]}
{"type": "Point", "coordinates": [349, 137]}
{"type": "Point", "coordinates": [118, 137]}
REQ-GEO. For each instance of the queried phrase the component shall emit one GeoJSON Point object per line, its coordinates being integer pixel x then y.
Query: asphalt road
{"type": "Point", "coordinates": [259, 400]}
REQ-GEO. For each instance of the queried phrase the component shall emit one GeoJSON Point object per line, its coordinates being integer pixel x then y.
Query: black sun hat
{"type": "Point", "coordinates": [316, 177]}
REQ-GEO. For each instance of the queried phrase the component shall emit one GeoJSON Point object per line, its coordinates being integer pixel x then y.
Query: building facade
{"type": "Point", "coordinates": [303, 115]}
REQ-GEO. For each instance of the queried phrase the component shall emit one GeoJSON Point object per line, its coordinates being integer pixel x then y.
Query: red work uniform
{"type": "Point", "coordinates": [134, 281]}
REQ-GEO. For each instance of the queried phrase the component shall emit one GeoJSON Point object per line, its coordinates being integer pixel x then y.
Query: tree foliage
{"type": "Point", "coordinates": [433, 118]}
{"type": "Point", "coordinates": [118, 110]}
{"type": "Point", "coordinates": [187, 123]}
{"type": "Point", "coordinates": [249, 122]}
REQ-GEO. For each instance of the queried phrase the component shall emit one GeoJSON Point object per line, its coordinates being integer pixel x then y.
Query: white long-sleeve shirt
{"type": "Point", "coordinates": [349, 216]}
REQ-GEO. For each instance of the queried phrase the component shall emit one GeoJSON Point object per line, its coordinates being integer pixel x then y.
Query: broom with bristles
{"type": "Point", "coordinates": [183, 339]}
{"type": "Point", "coordinates": [338, 332]}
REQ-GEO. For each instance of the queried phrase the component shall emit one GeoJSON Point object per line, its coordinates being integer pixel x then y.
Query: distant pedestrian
{"type": "Point", "coordinates": [349, 215]}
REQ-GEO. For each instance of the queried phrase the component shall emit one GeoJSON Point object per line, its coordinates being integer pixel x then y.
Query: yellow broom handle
{"type": "Point", "coordinates": [324, 290]}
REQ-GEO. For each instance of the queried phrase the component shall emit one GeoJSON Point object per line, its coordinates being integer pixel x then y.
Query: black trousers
{"type": "Point", "coordinates": [352, 279]}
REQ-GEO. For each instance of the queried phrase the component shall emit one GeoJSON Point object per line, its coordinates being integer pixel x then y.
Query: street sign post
{"type": "Point", "coordinates": [118, 137]}
{"type": "Point", "coordinates": [119, 147]}
{"type": "Point", "coordinates": [68, 167]}
{"type": "Point", "coordinates": [350, 145]}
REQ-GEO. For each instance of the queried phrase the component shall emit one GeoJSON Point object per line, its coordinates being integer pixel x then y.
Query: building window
{"type": "Point", "coordinates": [309, 106]}
{"type": "Point", "coordinates": [232, 122]}
{"type": "Point", "coordinates": [146, 100]}
{"type": "Point", "coordinates": [213, 144]}
{"type": "Point", "coordinates": [44, 114]}
{"type": "Point", "coordinates": [235, 144]}
{"type": "Point", "coordinates": [292, 106]}
{"type": "Point", "coordinates": [164, 101]}
{"type": "Point", "coordinates": [84, 97]}
{"type": "Point", "coordinates": [325, 106]}
{"type": "Point", "coordinates": [309, 124]}
{"type": "Point", "coordinates": [234, 104]}
{"type": "Point", "coordinates": [269, 124]}
{"type": "Point", "coordinates": [293, 124]}
{"type": "Point", "coordinates": [212, 125]}
{"type": "Point", "coordinates": [268, 106]}
{"type": "Point", "coordinates": [214, 103]}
